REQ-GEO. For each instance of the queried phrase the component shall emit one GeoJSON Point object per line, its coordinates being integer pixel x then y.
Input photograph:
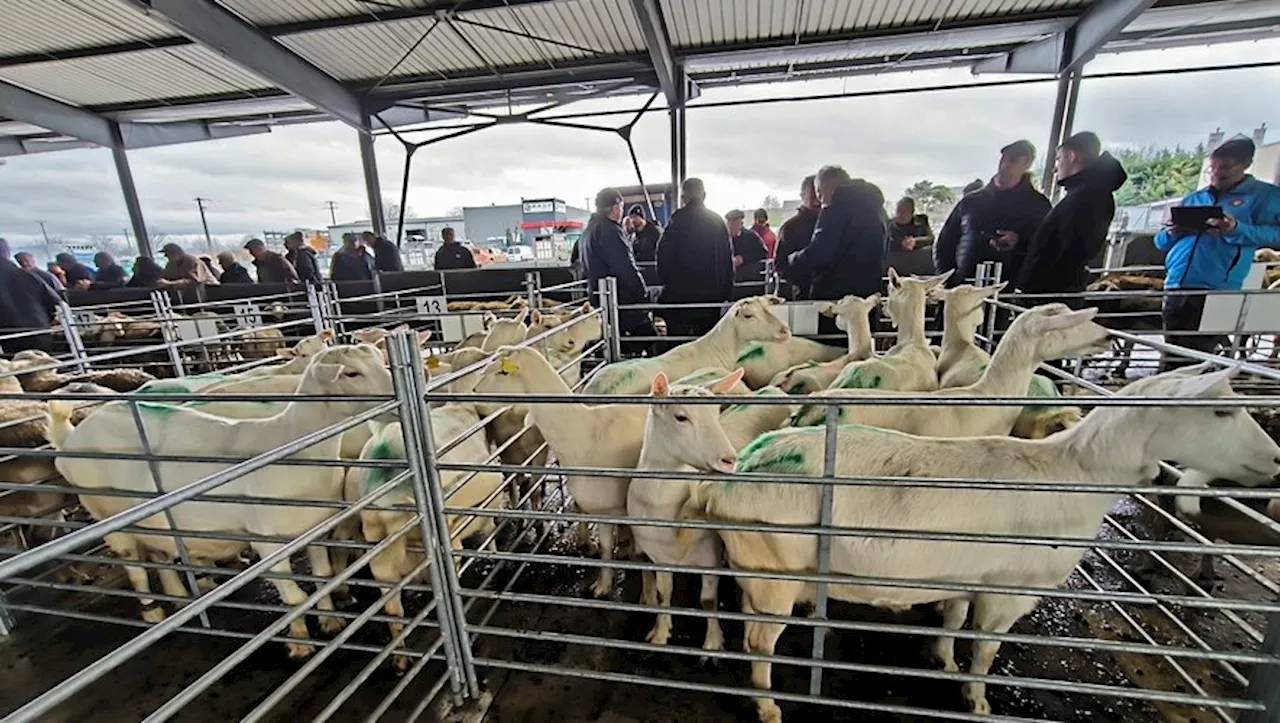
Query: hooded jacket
{"type": "Point", "coordinates": [695, 259]}
{"type": "Point", "coordinates": [1075, 231]}
{"type": "Point", "coordinates": [965, 239]}
{"type": "Point", "coordinates": [1220, 261]}
{"type": "Point", "coordinates": [846, 254]}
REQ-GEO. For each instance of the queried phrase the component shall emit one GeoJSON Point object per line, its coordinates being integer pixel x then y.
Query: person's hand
{"type": "Point", "coordinates": [909, 243]}
{"type": "Point", "coordinates": [1005, 240]}
{"type": "Point", "coordinates": [1227, 224]}
{"type": "Point", "coordinates": [737, 261]}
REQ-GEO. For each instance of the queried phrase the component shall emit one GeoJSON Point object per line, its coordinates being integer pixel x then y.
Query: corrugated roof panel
{"type": "Point", "coordinates": [143, 75]}
{"type": "Point", "coordinates": [609, 26]}
{"type": "Point", "coordinates": [278, 12]}
{"type": "Point", "coordinates": [40, 26]}
{"type": "Point", "coordinates": [367, 52]}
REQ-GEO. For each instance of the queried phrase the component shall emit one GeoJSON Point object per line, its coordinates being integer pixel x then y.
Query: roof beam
{"type": "Point", "coordinates": [654, 29]}
{"type": "Point", "coordinates": [1068, 51]}
{"type": "Point", "coordinates": [23, 105]}
{"type": "Point", "coordinates": [217, 28]}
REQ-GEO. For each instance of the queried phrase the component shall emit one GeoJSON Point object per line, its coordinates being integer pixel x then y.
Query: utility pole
{"type": "Point", "coordinates": [200, 202]}
{"type": "Point", "coordinates": [333, 208]}
{"type": "Point", "coordinates": [48, 247]}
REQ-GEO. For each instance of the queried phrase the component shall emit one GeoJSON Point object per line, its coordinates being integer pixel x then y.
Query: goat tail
{"type": "Point", "coordinates": [60, 427]}
{"type": "Point", "coordinates": [694, 508]}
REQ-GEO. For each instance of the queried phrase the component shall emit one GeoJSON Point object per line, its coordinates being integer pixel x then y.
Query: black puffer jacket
{"type": "Point", "coordinates": [965, 240]}
{"type": "Point", "coordinates": [26, 302]}
{"type": "Point", "coordinates": [695, 260]}
{"type": "Point", "coordinates": [846, 255]}
{"type": "Point", "coordinates": [304, 262]}
{"type": "Point", "coordinates": [1075, 231]}
{"type": "Point", "coordinates": [606, 251]}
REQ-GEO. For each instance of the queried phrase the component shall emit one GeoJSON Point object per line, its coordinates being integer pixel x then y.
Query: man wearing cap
{"type": "Point", "coordinates": [605, 252]}
{"type": "Point", "coordinates": [1075, 231]}
{"type": "Point", "coordinates": [1217, 258]}
{"type": "Point", "coordinates": [994, 223]}
{"type": "Point", "coordinates": [184, 269]}
{"type": "Point", "coordinates": [695, 263]}
{"type": "Point", "coordinates": [644, 236]}
{"type": "Point", "coordinates": [303, 258]}
{"type": "Point", "coordinates": [386, 255]}
{"type": "Point", "coordinates": [272, 267]}
{"type": "Point", "coordinates": [749, 251]}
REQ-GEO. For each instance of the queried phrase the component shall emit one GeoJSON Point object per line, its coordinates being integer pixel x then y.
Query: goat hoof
{"type": "Point", "coordinates": [980, 706]}
{"type": "Point", "coordinates": [400, 663]}
{"type": "Point", "coordinates": [1188, 506]}
{"type": "Point", "coordinates": [769, 712]}
{"type": "Point", "coordinates": [602, 588]}
{"type": "Point", "coordinates": [205, 585]}
{"type": "Point", "coordinates": [153, 613]}
{"type": "Point", "coordinates": [299, 652]}
{"type": "Point", "coordinates": [658, 636]}
{"type": "Point", "coordinates": [331, 625]}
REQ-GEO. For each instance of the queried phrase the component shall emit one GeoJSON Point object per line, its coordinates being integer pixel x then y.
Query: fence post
{"type": "Point", "coordinates": [316, 306]}
{"type": "Point", "coordinates": [419, 446]}
{"type": "Point", "coordinates": [611, 314]}
{"type": "Point", "coordinates": [770, 276]}
{"type": "Point", "coordinates": [1264, 680]}
{"type": "Point", "coordinates": [533, 291]}
{"type": "Point", "coordinates": [74, 342]}
{"type": "Point", "coordinates": [992, 277]}
{"type": "Point", "coordinates": [168, 329]}
{"type": "Point", "coordinates": [824, 546]}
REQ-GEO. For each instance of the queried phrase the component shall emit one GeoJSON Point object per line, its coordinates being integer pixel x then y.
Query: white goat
{"type": "Point", "coordinates": [908, 365]}
{"type": "Point", "coordinates": [505, 332]}
{"type": "Point", "coordinates": [298, 356]}
{"type": "Point", "coordinates": [764, 360]}
{"type": "Point", "coordinates": [392, 564]}
{"type": "Point", "coordinates": [1113, 445]}
{"type": "Point", "coordinates": [173, 430]}
{"type": "Point", "coordinates": [813, 376]}
{"type": "Point", "coordinates": [744, 422]}
{"type": "Point", "coordinates": [747, 320]}
{"type": "Point", "coordinates": [679, 437]}
{"type": "Point", "coordinates": [1045, 332]}
{"type": "Point", "coordinates": [961, 361]}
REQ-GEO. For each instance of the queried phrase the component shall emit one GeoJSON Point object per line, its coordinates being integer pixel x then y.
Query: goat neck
{"type": "Point", "coordinates": [1010, 370]}
{"type": "Point", "coordinates": [911, 326]}
{"type": "Point", "coordinates": [1116, 445]}
{"type": "Point", "coordinates": [958, 330]}
{"type": "Point", "coordinates": [861, 344]}
{"type": "Point", "coordinates": [717, 348]}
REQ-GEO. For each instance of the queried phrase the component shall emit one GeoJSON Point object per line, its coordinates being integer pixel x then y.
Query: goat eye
{"type": "Point", "coordinates": [351, 374]}
{"type": "Point", "coordinates": [1224, 413]}
{"type": "Point", "coordinates": [682, 418]}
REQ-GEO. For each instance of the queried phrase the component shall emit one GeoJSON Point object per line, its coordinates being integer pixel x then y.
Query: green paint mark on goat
{"type": "Point", "coordinates": [699, 377]}
{"type": "Point", "coordinates": [378, 476]}
{"type": "Point", "coordinates": [858, 378]}
{"type": "Point", "coordinates": [792, 461]}
{"type": "Point", "coordinates": [761, 392]}
{"type": "Point", "coordinates": [755, 350]}
{"type": "Point", "coordinates": [796, 388]}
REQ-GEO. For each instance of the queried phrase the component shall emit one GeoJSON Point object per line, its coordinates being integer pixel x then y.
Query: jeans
{"type": "Point", "coordinates": [1183, 313]}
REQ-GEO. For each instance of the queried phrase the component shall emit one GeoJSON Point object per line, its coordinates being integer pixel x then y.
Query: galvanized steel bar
{"type": "Point", "coordinates": [1264, 683]}
{"type": "Point", "coordinates": [825, 522]}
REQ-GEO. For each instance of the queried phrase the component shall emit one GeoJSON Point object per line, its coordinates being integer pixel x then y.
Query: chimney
{"type": "Point", "coordinates": [1215, 138]}
{"type": "Point", "coordinates": [1259, 134]}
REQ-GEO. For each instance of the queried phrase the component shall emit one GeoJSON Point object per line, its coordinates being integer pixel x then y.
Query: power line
{"type": "Point", "coordinates": [333, 207]}
{"type": "Point", "coordinates": [200, 202]}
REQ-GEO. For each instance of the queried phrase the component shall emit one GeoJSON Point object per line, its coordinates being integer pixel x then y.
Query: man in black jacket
{"type": "Point", "coordinates": [605, 252]}
{"type": "Point", "coordinates": [303, 259]}
{"type": "Point", "coordinates": [644, 236]}
{"type": "Point", "coordinates": [110, 274]}
{"type": "Point", "coordinates": [995, 223]}
{"type": "Point", "coordinates": [749, 251]}
{"type": "Point", "coordinates": [1075, 231]}
{"type": "Point", "coordinates": [695, 263]}
{"type": "Point", "coordinates": [26, 303]}
{"type": "Point", "coordinates": [232, 271]}
{"type": "Point", "coordinates": [351, 262]}
{"type": "Point", "coordinates": [272, 267]}
{"type": "Point", "coordinates": [846, 255]}
{"type": "Point", "coordinates": [79, 276]}
{"type": "Point", "coordinates": [795, 235]}
{"type": "Point", "coordinates": [451, 254]}
{"type": "Point", "coordinates": [386, 255]}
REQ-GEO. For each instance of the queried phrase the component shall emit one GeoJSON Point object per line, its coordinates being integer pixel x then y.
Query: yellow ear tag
{"type": "Point", "coordinates": [508, 366]}
{"type": "Point", "coordinates": [433, 362]}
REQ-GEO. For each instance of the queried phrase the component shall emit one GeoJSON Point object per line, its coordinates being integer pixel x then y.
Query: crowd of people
{"type": "Point", "coordinates": [841, 240]}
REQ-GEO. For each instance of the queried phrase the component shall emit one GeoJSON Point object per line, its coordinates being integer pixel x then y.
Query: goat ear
{"type": "Point", "coordinates": [993, 290]}
{"type": "Point", "coordinates": [1066, 321]}
{"type": "Point", "coordinates": [1213, 384]}
{"type": "Point", "coordinates": [894, 279]}
{"type": "Point", "coordinates": [489, 318]}
{"type": "Point", "coordinates": [327, 335]}
{"type": "Point", "coordinates": [585, 308]}
{"type": "Point", "coordinates": [286, 353]}
{"type": "Point", "coordinates": [773, 299]}
{"type": "Point", "coordinates": [660, 387]}
{"type": "Point", "coordinates": [940, 279]}
{"type": "Point", "coordinates": [725, 384]}
{"type": "Point", "coordinates": [424, 337]}
{"type": "Point", "coordinates": [522, 316]}
{"type": "Point", "coordinates": [535, 317]}
{"type": "Point", "coordinates": [1195, 369]}
{"type": "Point", "coordinates": [327, 373]}
{"type": "Point", "coordinates": [827, 309]}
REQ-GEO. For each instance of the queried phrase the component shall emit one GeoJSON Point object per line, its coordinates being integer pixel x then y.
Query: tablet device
{"type": "Point", "coordinates": [1194, 218]}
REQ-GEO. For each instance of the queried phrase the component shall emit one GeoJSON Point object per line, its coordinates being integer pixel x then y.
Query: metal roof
{"type": "Point", "coordinates": [247, 62]}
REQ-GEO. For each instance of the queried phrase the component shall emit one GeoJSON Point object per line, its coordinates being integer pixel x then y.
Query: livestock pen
{"type": "Point", "coordinates": [509, 630]}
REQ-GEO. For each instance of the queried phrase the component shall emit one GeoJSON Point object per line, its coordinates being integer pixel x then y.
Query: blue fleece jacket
{"type": "Point", "coordinates": [1220, 261]}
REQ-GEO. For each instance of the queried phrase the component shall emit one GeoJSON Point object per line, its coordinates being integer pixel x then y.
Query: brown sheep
{"type": "Point", "coordinates": [47, 380]}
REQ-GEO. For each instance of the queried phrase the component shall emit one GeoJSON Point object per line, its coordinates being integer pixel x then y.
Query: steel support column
{"type": "Point", "coordinates": [372, 186]}
{"type": "Point", "coordinates": [131, 204]}
{"type": "Point", "coordinates": [679, 146]}
{"type": "Point", "coordinates": [1064, 113]}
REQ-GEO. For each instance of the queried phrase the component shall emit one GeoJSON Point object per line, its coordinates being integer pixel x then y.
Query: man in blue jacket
{"type": "Point", "coordinates": [1219, 258]}
{"type": "Point", "coordinates": [606, 251]}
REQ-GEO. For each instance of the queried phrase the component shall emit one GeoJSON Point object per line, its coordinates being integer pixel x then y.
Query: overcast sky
{"type": "Point", "coordinates": [282, 180]}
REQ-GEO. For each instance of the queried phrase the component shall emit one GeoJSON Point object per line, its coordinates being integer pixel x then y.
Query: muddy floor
{"type": "Point", "coordinates": [45, 650]}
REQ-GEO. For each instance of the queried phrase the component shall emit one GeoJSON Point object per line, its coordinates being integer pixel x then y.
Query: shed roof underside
{"type": "Point", "coordinates": [116, 60]}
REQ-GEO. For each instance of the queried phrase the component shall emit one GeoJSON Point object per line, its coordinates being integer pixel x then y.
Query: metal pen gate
{"type": "Point", "coordinates": [1142, 644]}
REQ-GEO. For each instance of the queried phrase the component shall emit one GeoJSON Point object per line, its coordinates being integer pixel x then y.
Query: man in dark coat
{"type": "Point", "coordinates": [695, 263]}
{"type": "Point", "coordinates": [605, 252]}
{"type": "Point", "coordinates": [272, 267]}
{"type": "Point", "coordinates": [232, 271]}
{"type": "Point", "coordinates": [451, 254]}
{"type": "Point", "coordinates": [794, 235]}
{"type": "Point", "coordinates": [110, 274]}
{"type": "Point", "coordinates": [303, 259]}
{"type": "Point", "coordinates": [644, 236]}
{"type": "Point", "coordinates": [28, 264]}
{"type": "Point", "coordinates": [79, 276]}
{"type": "Point", "coordinates": [26, 303]}
{"type": "Point", "coordinates": [846, 255]}
{"type": "Point", "coordinates": [995, 223]}
{"type": "Point", "coordinates": [386, 255]}
{"type": "Point", "coordinates": [749, 251]}
{"type": "Point", "coordinates": [351, 262]}
{"type": "Point", "coordinates": [909, 240]}
{"type": "Point", "coordinates": [1075, 231]}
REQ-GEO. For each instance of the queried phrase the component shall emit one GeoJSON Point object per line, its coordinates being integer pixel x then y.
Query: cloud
{"type": "Point", "coordinates": [282, 180]}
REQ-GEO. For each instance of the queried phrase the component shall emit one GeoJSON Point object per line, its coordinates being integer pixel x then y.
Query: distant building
{"type": "Point", "coordinates": [416, 230]}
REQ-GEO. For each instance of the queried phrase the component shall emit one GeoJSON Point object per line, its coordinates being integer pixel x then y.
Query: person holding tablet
{"type": "Point", "coordinates": [1212, 250]}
